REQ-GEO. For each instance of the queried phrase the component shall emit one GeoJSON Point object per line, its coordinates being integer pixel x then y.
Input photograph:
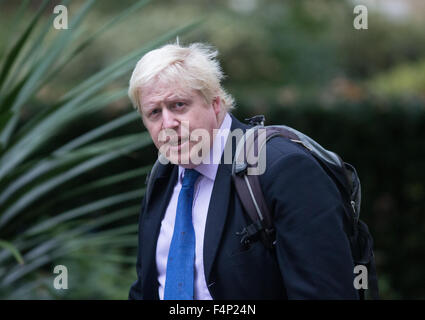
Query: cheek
{"type": "Point", "coordinates": [208, 125]}
{"type": "Point", "coordinates": [211, 121]}
{"type": "Point", "coordinates": [207, 117]}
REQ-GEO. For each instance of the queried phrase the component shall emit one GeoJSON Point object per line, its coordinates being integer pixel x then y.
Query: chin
{"type": "Point", "coordinates": [184, 159]}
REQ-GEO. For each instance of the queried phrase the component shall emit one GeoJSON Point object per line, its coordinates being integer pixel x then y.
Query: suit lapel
{"type": "Point", "coordinates": [161, 193]}
{"type": "Point", "coordinates": [216, 218]}
{"type": "Point", "coordinates": [218, 207]}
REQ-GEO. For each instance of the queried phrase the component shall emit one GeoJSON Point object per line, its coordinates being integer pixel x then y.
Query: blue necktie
{"type": "Point", "coordinates": [181, 257]}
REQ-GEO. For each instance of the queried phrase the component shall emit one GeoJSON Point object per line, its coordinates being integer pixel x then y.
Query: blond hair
{"type": "Point", "coordinates": [194, 66]}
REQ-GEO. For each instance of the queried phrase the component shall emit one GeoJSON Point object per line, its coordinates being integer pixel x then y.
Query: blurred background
{"type": "Point", "coordinates": [74, 153]}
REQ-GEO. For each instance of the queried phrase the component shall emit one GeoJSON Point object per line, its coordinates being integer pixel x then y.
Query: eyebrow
{"type": "Point", "coordinates": [174, 98]}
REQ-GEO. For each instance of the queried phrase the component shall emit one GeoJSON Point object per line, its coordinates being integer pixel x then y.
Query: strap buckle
{"type": "Point", "coordinates": [256, 120]}
{"type": "Point", "coordinates": [250, 232]}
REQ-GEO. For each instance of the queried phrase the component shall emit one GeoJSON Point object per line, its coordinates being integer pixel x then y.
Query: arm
{"type": "Point", "coordinates": [136, 289]}
{"type": "Point", "coordinates": [312, 248]}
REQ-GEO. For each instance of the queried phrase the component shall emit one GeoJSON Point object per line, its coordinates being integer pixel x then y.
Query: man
{"type": "Point", "coordinates": [189, 230]}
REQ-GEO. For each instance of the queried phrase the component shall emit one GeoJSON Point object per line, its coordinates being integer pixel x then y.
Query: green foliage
{"type": "Point", "coordinates": [402, 80]}
{"type": "Point", "coordinates": [59, 181]}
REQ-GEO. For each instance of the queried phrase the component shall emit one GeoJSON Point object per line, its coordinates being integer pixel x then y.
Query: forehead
{"type": "Point", "coordinates": [157, 92]}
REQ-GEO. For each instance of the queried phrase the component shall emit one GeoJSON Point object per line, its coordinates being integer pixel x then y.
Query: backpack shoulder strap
{"type": "Point", "coordinates": [252, 199]}
{"type": "Point", "coordinates": [249, 189]}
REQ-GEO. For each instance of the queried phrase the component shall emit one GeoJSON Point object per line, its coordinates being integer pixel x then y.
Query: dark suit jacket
{"type": "Point", "coordinates": [312, 258]}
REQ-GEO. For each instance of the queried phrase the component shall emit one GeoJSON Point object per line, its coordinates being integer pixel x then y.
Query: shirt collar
{"type": "Point", "coordinates": [209, 170]}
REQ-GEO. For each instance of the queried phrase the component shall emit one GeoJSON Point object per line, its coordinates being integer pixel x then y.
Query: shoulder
{"type": "Point", "coordinates": [291, 167]}
{"type": "Point", "coordinates": [281, 150]}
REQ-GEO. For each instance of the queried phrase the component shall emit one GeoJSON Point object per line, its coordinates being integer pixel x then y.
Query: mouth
{"type": "Point", "coordinates": [177, 143]}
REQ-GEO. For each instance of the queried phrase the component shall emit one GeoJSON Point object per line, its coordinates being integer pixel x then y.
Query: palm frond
{"type": "Point", "coordinates": [45, 212]}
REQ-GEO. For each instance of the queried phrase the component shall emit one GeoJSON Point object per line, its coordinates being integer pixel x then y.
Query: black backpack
{"type": "Point", "coordinates": [343, 174]}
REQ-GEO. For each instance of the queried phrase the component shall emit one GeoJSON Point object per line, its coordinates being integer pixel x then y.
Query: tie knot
{"type": "Point", "coordinates": [190, 176]}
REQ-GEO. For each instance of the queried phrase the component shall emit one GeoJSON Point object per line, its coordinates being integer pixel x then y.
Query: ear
{"type": "Point", "coordinates": [216, 104]}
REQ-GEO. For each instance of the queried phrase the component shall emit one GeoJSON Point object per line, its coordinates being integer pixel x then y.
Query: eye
{"type": "Point", "coordinates": [154, 112]}
{"type": "Point", "coordinates": [179, 104]}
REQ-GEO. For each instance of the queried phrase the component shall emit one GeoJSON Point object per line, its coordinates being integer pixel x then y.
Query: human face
{"type": "Point", "coordinates": [172, 113]}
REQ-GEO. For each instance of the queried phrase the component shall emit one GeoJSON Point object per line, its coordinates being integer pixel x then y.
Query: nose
{"type": "Point", "coordinates": [169, 120]}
